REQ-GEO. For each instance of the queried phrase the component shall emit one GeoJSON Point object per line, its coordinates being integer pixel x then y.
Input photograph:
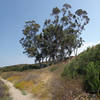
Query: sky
{"type": "Point", "coordinates": [14, 14]}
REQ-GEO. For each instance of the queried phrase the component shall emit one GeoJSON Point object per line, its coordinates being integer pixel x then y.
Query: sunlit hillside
{"type": "Point", "coordinates": [62, 80]}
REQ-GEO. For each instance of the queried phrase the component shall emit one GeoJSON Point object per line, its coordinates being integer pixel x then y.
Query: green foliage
{"type": "Point", "coordinates": [86, 64]}
{"type": "Point", "coordinates": [23, 92]}
{"type": "Point", "coordinates": [53, 69]}
{"type": "Point", "coordinates": [70, 71]}
{"type": "Point", "coordinates": [22, 67]}
{"type": "Point", "coordinates": [92, 78]}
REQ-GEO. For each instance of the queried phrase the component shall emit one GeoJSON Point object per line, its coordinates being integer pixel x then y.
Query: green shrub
{"type": "Point", "coordinates": [53, 69]}
{"type": "Point", "coordinates": [22, 67]}
{"type": "Point", "coordinates": [86, 64]}
{"type": "Point", "coordinates": [71, 71]}
{"type": "Point", "coordinates": [79, 63]}
{"type": "Point", "coordinates": [92, 78]}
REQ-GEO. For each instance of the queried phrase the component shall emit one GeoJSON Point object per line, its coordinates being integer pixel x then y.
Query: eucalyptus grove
{"type": "Point", "coordinates": [60, 35]}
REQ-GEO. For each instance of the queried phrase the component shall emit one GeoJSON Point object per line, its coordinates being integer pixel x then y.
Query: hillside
{"type": "Point", "coordinates": [86, 65]}
{"type": "Point", "coordinates": [36, 81]}
{"type": "Point", "coordinates": [22, 67]}
{"type": "Point", "coordinates": [68, 80]}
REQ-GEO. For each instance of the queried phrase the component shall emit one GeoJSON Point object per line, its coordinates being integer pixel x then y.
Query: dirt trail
{"type": "Point", "coordinates": [15, 93]}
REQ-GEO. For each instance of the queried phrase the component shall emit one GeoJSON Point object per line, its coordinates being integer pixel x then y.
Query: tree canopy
{"type": "Point", "coordinates": [60, 35]}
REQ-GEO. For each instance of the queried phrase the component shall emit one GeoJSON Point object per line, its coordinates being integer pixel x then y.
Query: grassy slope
{"type": "Point", "coordinates": [86, 66]}
{"type": "Point", "coordinates": [47, 83]}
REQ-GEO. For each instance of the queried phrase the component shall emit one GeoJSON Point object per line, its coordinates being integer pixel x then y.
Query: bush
{"type": "Point", "coordinates": [53, 69]}
{"type": "Point", "coordinates": [72, 71]}
{"type": "Point", "coordinates": [22, 67]}
{"type": "Point", "coordinates": [86, 64]}
{"type": "Point", "coordinates": [92, 78]}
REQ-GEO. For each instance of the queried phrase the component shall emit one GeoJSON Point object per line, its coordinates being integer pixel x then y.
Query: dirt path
{"type": "Point", "coordinates": [15, 93]}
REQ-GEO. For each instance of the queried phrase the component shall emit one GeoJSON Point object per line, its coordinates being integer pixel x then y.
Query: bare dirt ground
{"type": "Point", "coordinates": [15, 93]}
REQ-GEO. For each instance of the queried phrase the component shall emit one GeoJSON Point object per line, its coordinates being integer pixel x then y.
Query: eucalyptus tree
{"type": "Point", "coordinates": [28, 41]}
{"type": "Point", "coordinates": [60, 36]}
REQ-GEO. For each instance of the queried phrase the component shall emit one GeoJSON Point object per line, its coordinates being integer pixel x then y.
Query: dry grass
{"type": "Point", "coordinates": [4, 95]}
{"type": "Point", "coordinates": [24, 85]}
{"type": "Point", "coordinates": [14, 79]}
{"type": "Point", "coordinates": [47, 83]}
{"type": "Point", "coordinates": [34, 81]}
